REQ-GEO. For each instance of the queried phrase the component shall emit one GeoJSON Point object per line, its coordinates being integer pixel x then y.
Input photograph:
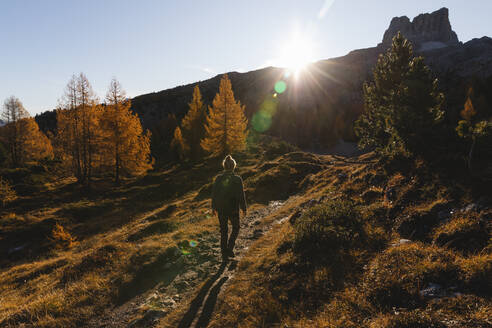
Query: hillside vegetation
{"type": "Point", "coordinates": [365, 246]}
{"type": "Point", "coordinates": [104, 223]}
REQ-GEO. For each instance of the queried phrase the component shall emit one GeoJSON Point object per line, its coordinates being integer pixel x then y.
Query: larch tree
{"type": "Point", "coordinates": [127, 147]}
{"type": "Point", "coordinates": [79, 134]}
{"type": "Point", "coordinates": [22, 135]}
{"type": "Point", "coordinates": [225, 128]}
{"type": "Point", "coordinates": [402, 104]}
{"type": "Point", "coordinates": [192, 125]}
{"type": "Point", "coordinates": [178, 145]}
{"type": "Point", "coordinates": [13, 112]}
{"type": "Point", "coordinates": [471, 128]}
{"type": "Point", "coordinates": [35, 144]}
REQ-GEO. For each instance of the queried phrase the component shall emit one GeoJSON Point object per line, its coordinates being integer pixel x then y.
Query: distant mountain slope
{"type": "Point", "coordinates": [320, 106]}
{"type": "Point", "coordinates": [331, 90]}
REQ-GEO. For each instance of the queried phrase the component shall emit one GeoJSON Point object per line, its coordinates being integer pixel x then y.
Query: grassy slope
{"type": "Point", "coordinates": [117, 232]}
{"type": "Point", "coordinates": [127, 239]}
{"type": "Point", "coordinates": [120, 241]}
{"type": "Point", "coordinates": [378, 284]}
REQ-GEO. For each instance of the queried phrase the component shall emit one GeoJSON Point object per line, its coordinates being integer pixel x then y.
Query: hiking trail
{"type": "Point", "coordinates": [162, 288]}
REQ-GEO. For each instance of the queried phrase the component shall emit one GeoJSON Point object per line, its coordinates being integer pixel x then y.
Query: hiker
{"type": "Point", "coordinates": [227, 199]}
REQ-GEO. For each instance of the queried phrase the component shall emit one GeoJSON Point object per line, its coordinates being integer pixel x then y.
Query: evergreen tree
{"type": "Point", "coordinates": [193, 125]}
{"type": "Point", "coordinates": [225, 129]}
{"type": "Point", "coordinates": [402, 104]}
{"type": "Point", "coordinates": [178, 145]}
{"type": "Point", "coordinates": [126, 146]}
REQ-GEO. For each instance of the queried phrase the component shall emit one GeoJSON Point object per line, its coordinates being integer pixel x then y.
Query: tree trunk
{"type": "Point", "coordinates": [470, 154]}
{"type": "Point", "coordinates": [117, 169]}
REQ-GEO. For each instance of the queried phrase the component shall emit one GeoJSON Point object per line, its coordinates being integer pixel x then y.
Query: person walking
{"type": "Point", "coordinates": [227, 199]}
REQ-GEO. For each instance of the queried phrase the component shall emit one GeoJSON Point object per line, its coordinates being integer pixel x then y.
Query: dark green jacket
{"type": "Point", "coordinates": [228, 194]}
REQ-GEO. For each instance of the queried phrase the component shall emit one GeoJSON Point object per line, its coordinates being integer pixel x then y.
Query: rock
{"type": "Point", "coordinates": [150, 318]}
{"type": "Point", "coordinates": [401, 242]}
{"type": "Point", "coordinates": [426, 31]}
{"type": "Point", "coordinates": [190, 275]}
{"type": "Point", "coordinates": [433, 291]}
{"type": "Point", "coordinates": [169, 302]}
{"type": "Point", "coordinates": [275, 203]}
{"type": "Point", "coordinates": [470, 208]}
{"type": "Point", "coordinates": [154, 297]}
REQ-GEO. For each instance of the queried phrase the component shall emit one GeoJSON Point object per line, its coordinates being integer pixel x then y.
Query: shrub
{"type": "Point", "coordinates": [467, 234]}
{"type": "Point", "coordinates": [476, 272]}
{"type": "Point", "coordinates": [328, 228]}
{"type": "Point", "coordinates": [278, 148]}
{"type": "Point", "coordinates": [7, 194]}
{"type": "Point", "coordinates": [395, 277]}
{"type": "Point", "coordinates": [61, 237]}
{"type": "Point", "coordinates": [412, 319]}
{"type": "Point", "coordinates": [419, 224]}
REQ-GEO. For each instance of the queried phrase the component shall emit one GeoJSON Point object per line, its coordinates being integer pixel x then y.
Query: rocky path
{"type": "Point", "coordinates": [195, 262]}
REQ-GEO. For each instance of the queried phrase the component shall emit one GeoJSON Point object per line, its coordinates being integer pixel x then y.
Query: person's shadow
{"type": "Point", "coordinates": [209, 293]}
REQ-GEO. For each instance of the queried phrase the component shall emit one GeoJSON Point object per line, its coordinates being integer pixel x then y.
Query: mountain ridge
{"type": "Point", "coordinates": [332, 88]}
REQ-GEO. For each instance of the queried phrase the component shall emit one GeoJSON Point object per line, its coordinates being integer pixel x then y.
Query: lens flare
{"type": "Point", "coordinates": [280, 87]}
{"type": "Point", "coordinates": [193, 243]}
{"type": "Point", "coordinates": [262, 119]}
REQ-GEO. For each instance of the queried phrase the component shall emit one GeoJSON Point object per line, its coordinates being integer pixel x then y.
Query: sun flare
{"type": "Point", "coordinates": [296, 55]}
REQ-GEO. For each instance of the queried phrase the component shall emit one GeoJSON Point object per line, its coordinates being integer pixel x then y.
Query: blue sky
{"type": "Point", "coordinates": [151, 45]}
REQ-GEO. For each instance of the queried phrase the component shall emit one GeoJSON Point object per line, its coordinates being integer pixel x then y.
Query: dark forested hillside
{"type": "Point", "coordinates": [320, 105]}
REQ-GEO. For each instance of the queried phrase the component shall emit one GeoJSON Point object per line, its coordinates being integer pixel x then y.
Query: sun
{"type": "Point", "coordinates": [296, 54]}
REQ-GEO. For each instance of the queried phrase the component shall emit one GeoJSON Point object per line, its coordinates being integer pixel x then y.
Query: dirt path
{"type": "Point", "coordinates": [162, 290]}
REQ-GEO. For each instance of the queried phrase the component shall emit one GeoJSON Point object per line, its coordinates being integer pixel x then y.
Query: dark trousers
{"type": "Point", "coordinates": [223, 220]}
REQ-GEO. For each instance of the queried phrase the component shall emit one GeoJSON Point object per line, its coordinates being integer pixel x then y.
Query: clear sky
{"type": "Point", "coordinates": [151, 45]}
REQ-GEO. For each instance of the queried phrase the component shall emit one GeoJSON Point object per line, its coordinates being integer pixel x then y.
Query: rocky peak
{"type": "Point", "coordinates": [426, 31]}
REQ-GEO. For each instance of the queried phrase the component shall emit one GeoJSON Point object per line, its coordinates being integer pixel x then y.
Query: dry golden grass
{"type": "Point", "coordinates": [124, 230]}
{"type": "Point", "coordinates": [392, 279]}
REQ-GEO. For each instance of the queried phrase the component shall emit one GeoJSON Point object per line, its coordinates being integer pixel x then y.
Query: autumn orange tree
{"type": "Point", "coordinates": [178, 145]}
{"type": "Point", "coordinates": [125, 145]}
{"type": "Point", "coordinates": [21, 134]}
{"type": "Point", "coordinates": [471, 128]}
{"type": "Point", "coordinates": [193, 125]}
{"type": "Point", "coordinates": [225, 128]}
{"type": "Point", "coordinates": [78, 133]}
